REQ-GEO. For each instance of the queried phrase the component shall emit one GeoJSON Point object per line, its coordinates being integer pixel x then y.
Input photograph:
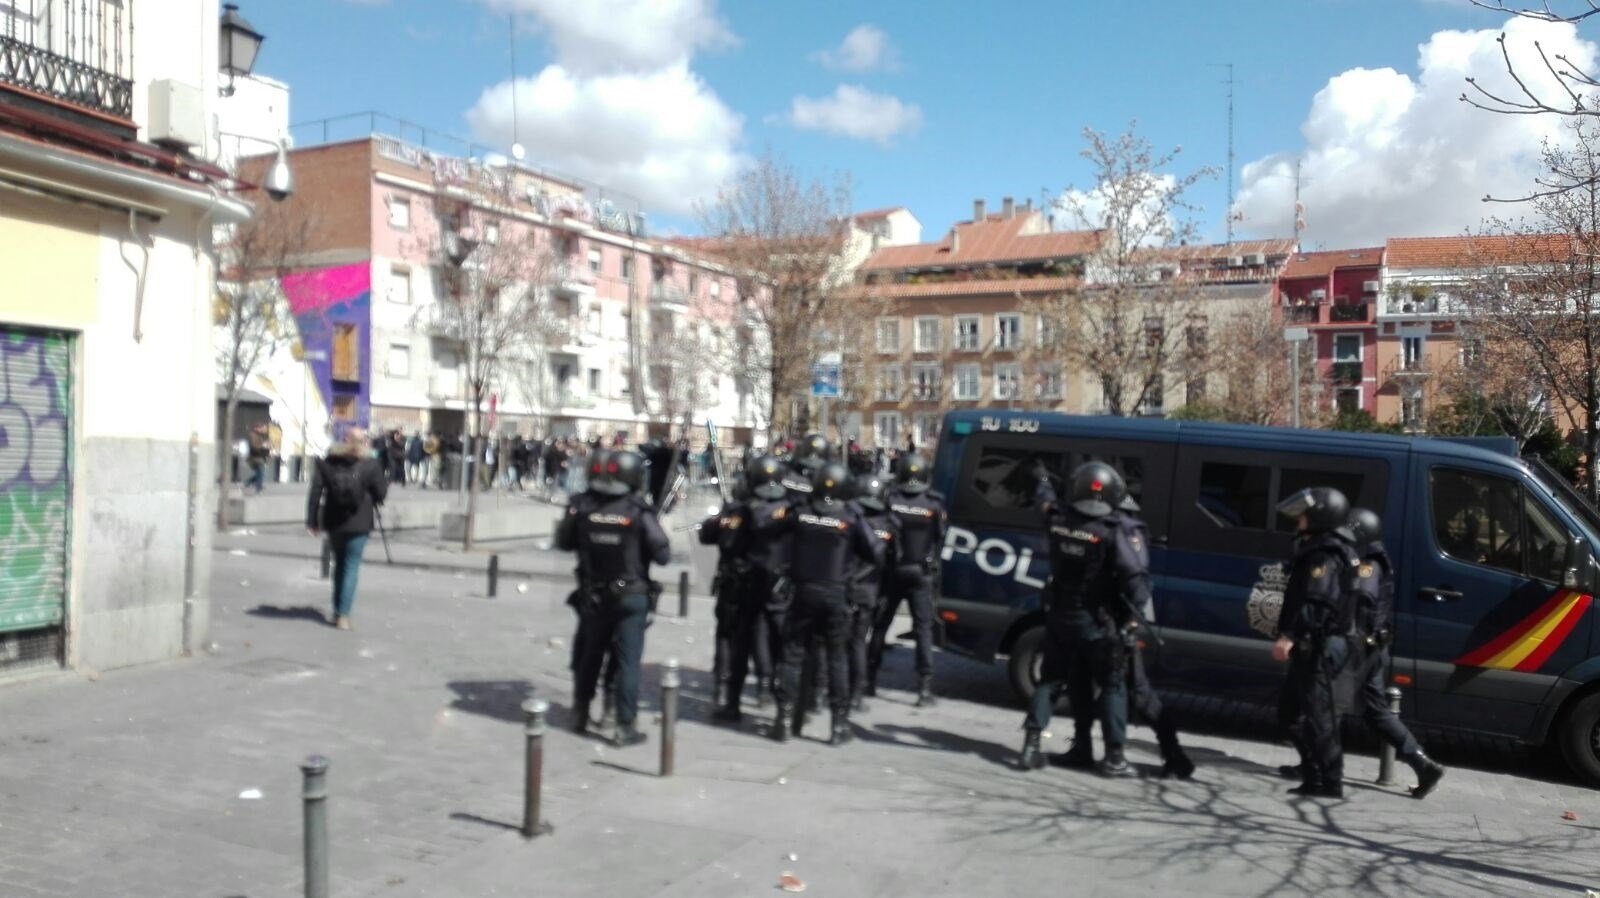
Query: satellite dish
{"type": "Point", "coordinates": [518, 152]}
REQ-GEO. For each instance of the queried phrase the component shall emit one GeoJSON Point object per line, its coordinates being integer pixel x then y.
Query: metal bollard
{"type": "Point", "coordinates": [1386, 754]}
{"type": "Point", "coordinates": [669, 715]}
{"type": "Point", "coordinates": [314, 793]}
{"type": "Point", "coordinates": [494, 574]}
{"type": "Point", "coordinates": [683, 593]}
{"type": "Point", "coordinates": [327, 556]}
{"type": "Point", "coordinates": [534, 710]}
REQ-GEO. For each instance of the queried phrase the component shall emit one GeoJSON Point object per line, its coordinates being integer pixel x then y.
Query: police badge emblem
{"type": "Point", "coordinates": [1266, 599]}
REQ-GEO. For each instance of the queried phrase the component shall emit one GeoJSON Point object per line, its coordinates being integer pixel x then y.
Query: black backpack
{"type": "Point", "coordinates": [1369, 593]}
{"type": "Point", "coordinates": [343, 486]}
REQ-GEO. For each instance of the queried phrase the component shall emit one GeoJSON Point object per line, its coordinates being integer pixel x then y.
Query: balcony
{"type": "Point", "coordinates": [444, 385]}
{"type": "Point", "coordinates": [1432, 304]}
{"type": "Point", "coordinates": [662, 295]}
{"type": "Point", "coordinates": [1345, 373]}
{"type": "Point", "coordinates": [573, 278]}
{"type": "Point", "coordinates": [1300, 314]}
{"type": "Point", "coordinates": [1404, 370]}
{"type": "Point", "coordinates": [1347, 313]}
{"type": "Point", "coordinates": [77, 54]}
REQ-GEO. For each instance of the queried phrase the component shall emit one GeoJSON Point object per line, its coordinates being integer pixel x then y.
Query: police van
{"type": "Point", "coordinates": [1496, 562]}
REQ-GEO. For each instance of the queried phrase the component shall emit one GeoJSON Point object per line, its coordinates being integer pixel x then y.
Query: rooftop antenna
{"type": "Point", "coordinates": [1299, 210]}
{"type": "Point", "coordinates": [1228, 214]}
{"type": "Point", "coordinates": [517, 151]}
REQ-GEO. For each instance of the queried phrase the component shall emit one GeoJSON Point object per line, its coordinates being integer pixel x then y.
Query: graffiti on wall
{"type": "Point", "coordinates": [322, 300]}
{"type": "Point", "coordinates": [34, 478]}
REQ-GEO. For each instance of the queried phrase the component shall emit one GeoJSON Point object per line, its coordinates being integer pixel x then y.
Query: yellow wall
{"type": "Point", "coordinates": [49, 263]}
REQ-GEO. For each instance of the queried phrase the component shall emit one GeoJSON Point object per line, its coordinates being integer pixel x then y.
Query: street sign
{"type": "Point", "coordinates": [1297, 334]}
{"type": "Point", "coordinates": [827, 376]}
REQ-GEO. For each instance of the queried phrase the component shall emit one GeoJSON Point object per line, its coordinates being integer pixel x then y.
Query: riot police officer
{"type": "Point", "coordinates": [723, 530]}
{"type": "Point", "coordinates": [759, 610]}
{"type": "Point", "coordinates": [868, 582]}
{"type": "Point", "coordinates": [1373, 628]}
{"type": "Point", "coordinates": [617, 539]}
{"type": "Point", "coordinates": [1141, 697]}
{"type": "Point", "coordinates": [827, 534]}
{"type": "Point", "coordinates": [810, 454]}
{"type": "Point", "coordinates": [582, 599]}
{"type": "Point", "coordinates": [1312, 628]}
{"type": "Point", "coordinates": [1098, 576]}
{"type": "Point", "coordinates": [922, 518]}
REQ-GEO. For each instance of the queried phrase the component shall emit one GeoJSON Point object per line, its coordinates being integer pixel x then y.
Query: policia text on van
{"type": "Point", "coordinates": [1496, 573]}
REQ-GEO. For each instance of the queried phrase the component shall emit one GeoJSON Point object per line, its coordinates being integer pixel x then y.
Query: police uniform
{"type": "Point", "coordinates": [922, 518]}
{"type": "Point", "coordinates": [868, 583]}
{"type": "Point", "coordinates": [826, 537]}
{"type": "Point", "coordinates": [617, 539]}
{"type": "Point", "coordinates": [758, 609]}
{"type": "Point", "coordinates": [1142, 699]}
{"type": "Point", "coordinates": [723, 531]}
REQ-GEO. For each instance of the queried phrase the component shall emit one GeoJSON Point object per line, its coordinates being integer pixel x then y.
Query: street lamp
{"type": "Point", "coordinates": [1295, 336]}
{"type": "Point", "coordinates": [237, 46]}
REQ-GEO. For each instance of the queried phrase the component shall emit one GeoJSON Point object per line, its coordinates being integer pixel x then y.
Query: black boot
{"type": "Point", "coordinates": [1315, 787]}
{"type": "Point", "coordinates": [780, 723]}
{"type": "Point", "coordinates": [870, 690]}
{"type": "Point", "coordinates": [841, 729]}
{"type": "Point", "coordinates": [1079, 757]}
{"type": "Point", "coordinates": [1032, 756]}
{"type": "Point", "coordinates": [763, 693]}
{"type": "Point", "coordinates": [925, 690]}
{"type": "Point", "coordinates": [627, 735]}
{"type": "Point", "coordinates": [1292, 771]}
{"type": "Point", "coordinates": [728, 713]}
{"type": "Point", "coordinates": [1429, 772]}
{"type": "Point", "coordinates": [1177, 765]}
{"type": "Point", "coordinates": [580, 718]}
{"type": "Point", "coordinates": [1115, 766]}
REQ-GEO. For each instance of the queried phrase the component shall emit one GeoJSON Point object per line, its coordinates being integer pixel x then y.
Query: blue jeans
{"type": "Point", "coordinates": [258, 476]}
{"type": "Point", "coordinates": [617, 627]}
{"type": "Point", "coordinates": [347, 549]}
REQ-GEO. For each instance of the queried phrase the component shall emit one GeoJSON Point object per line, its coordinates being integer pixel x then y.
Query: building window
{"type": "Point", "coordinates": [1411, 411]}
{"type": "Point", "coordinates": [890, 383]}
{"type": "Point", "coordinates": [716, 287]}
{"type": "Point", "coordinates": [594, 381]}
{"type": "Point", "coordinates": [1347, 347]}
{"type": "Point", "coordinates": [694, 283]}
{"type": "Point", "coordinates": [346, 353]}
{"type": "Point", "coordinates": [1411, 352]}
{"type": "Point", "coordinates": [491, 234]}
{"type": "Point", "coordinates": [1194, 389]}
{"type": "Point", "coordinates": [400, 213]}
{"type": "Point", "coordinates": [1347, 399]}
{"type": "Point", "coordinates": [398, 362]}
{"type": "Point", "coordinates": [1008, 332]}
{"type": "Point", "coordinates": [1008, 381]}
{"type": "Point", "coordinates": [1045, 331]}
{"type": "Point", "coordinates": [925, 428]}
{"type": "Point", "coordinates": [967, 333]}
{"type": "Point", "coordinates": [1155, 396]}
{"type": "Point", "coordinates": [969, 379]}
{"type": "Point", "coordinates": [400, 284]}
{"type": "Point", "coordinates": [925, 385]}
{"type": "Point", "coordinates": [1050, 382]}
{"type": "Point", "coordinates": [889, 335]}
{"type": "Point", "coordinates": [344, 408]}
{"type": "Point", "coordinates": [927, 336]}
{"type": "Point", "coordinates": [594, 261]}
{"type": "Point", "coordinates": [1471, 352]}
{"type": "Point", "coordinates": [886, 429]}
{"type": "Point", "coordinates": [627, 267]}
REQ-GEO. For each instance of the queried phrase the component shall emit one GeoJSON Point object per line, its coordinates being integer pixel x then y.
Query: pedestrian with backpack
{"type": "Point", "coordinates": [346, 488]}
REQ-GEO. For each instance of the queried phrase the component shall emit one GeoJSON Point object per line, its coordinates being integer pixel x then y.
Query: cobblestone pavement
{"type": "Point", "coordinates": [132, 784]}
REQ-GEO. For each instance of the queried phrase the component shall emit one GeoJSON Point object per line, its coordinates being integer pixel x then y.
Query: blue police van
{"type": "Point", "coordinates": [1495, 556]}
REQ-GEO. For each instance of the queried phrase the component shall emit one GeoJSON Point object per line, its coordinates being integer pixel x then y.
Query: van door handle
{"type": "Point", "coordinates": [1439, 595]}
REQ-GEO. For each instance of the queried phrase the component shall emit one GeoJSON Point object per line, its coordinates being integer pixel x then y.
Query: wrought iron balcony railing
{"type": "Point", "coordinates": [79, 52]}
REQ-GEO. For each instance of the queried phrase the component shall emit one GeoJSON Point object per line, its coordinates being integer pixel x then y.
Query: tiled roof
{"type": "Point", "coordinates": [996, 239]}
{"type": "Point", "coordinates": [1466, 252]}
{"type": "Point", "coordinates": [967, 288]}
{"type": "Point", "coordinates": [877, 213]}
{"type": "Point", "coordinates": [1201, 252]}
{"type": "Point", "coordinates": [1322, 264]}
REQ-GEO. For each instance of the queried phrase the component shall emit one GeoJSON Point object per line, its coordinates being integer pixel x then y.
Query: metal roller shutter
{"type": "Point", "coordinates": [35, 481]}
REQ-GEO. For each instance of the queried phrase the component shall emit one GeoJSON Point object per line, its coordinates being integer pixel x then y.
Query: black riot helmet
{"type": "Point", "coordinates": [870, 491]}
{"type": "Point", "coordinates": [911, 474]}
{"type": "Point", "coordinates": [1324, 508]}
{"type": "Point", "coordinates": [597, 470]}
{"type": "Point", "coordinates": [1097, 488]}
{"type": "Point", "coordinates": [1365, 525]}
{"type": "Point", "coordinates": [624, 474]}
{"type": "Point", "coordinates": [765, 478]}
{"type": "Point", "coordinates": [831, 483]}
{"type": "Point", "coordinates": [811, 452]}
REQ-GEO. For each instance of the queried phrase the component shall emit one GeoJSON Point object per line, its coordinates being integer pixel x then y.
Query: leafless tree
{"type": "Point", "coordinates": [1127, 328]}
{"type": "Point", "coordinates": [250, 314]}
{"type": "Point", "coordinates": [785, 233]}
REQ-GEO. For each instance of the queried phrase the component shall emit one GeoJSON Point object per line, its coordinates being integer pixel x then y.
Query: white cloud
{"type": "Point", "coordinates": [591, 36]}
{"type": "Point", "coordinates": [660, 136]}
{"type": "Point", "coordinates": [1086, 209]}
{"type": "Point", "coordinates": [853, 111]}
{"type": "Point", "coordinates": [866, 48]}
{"type": "Point", "coordinates": [1392, 154]}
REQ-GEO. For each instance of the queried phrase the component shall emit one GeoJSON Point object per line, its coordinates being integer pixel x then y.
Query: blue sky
{"type": "Point", "coordinates": [941, 102]}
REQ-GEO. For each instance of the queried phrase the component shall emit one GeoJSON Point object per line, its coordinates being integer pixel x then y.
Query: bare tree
{"type": "Point", "coordinates": [1493, 389]}
{"type": "Point", "coordinates": [1128, 328]}
{"type": "Point", "coordinates": [786, 234]}
{"type": "Point", "coordinates": [496, 276]}
{"type": "Point", "coordinates": [250, 314]}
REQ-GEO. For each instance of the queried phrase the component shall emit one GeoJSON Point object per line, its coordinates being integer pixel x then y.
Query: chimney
{"type": "Point", "coordinates": [1028, 206]}
{"type": "Point", "coordinates": [955, 235]}
{"type": "Point", "coordinates": [1008, 208]}
{"type": "Point", "coordinates": [977, 210]}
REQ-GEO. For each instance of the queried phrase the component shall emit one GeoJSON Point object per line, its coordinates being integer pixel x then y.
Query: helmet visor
{"type": "Point", "coordinates": [1298, 504]}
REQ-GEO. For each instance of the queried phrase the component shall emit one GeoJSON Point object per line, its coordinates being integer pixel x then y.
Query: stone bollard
{"type": "Point", "coordinates": [314, 794]}
{"type": "Point", "coordinates": [494, 575]}
{"type": "Point", "coordinates": [1386, 753]}
{"type": "Point", "coordinates": [683, 593]}
{"type": "Point", "coordinates": [669, 715]}
{"type": "Point", "coordinates": [534, 710]}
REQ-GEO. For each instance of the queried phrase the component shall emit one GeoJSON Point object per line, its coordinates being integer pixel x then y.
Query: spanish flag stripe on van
{"type": "Point", "coordinates": [1526, 646]}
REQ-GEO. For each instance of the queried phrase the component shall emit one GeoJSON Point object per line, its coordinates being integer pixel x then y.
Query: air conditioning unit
{"type": "Point", "coordinates": [1236, 261]}
{"type": "Point", "coordinates": [177, 115]}
{"type": "Point", "coordinates": [1317, 295]}
{"type": "Point", "coordinates": [1370, 287]}
{"type": "Point", "coordinates": [1255, 259]}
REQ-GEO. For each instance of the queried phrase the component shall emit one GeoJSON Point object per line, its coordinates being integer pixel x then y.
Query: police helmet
{"type": "Point", "coordinates": [1097, 488]}
{"type": "Point", "coordinates": [1129, 505]}
{"type": "Point", "coordinates": [624, 474]}
{"type": "Point", "coordinates": [911, 473]}
{"type": "Point", "coordinates": [862, 462]}
{"type": "Point", "coordinates": [1365, 525]}
{"type": "Point", "coordinates": [765, 478]}
{"type": "Point", "coordinates": [831, 483]}
{"type": "Point", "coordinates": [1324, 508]}
{"type": "Point", "coordinates": [811, 452]}
{"type": "Point", "coordinates": [597, 469]}
{"type": "Point", "coordinates": [870, 490]}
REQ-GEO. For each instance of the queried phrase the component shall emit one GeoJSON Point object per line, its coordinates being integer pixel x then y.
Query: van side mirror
{"type": "Point", "coordinates": [1579, 570]}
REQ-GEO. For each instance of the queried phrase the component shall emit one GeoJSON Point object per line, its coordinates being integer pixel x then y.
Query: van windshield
{"type": "Point", "coordinates": [1562, 491]}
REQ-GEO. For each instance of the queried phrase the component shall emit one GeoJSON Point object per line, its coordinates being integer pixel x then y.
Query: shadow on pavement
{"type": "Point", "coordinates": [484, 821]}
{"type": "Point", "coordinates": [298, 612]}
{"type": "Point", "coordinates": [940, 740]}
{"type": "Point", "coordinates": [500, 699]}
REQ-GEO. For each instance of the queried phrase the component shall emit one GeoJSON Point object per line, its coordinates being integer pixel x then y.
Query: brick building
{"type": "Point", "coordinates": [1335, 295]}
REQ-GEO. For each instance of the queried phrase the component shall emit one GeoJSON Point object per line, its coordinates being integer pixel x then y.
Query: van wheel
{"type": "Point", "coordinates": [1580, 738]}
{"type": "Point", "coordinates": [1027, 659]}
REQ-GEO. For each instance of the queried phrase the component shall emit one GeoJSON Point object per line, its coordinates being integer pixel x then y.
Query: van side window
{"type": "Point", "coordinates": [1477, 518]}
{"type": "Point", "coordinates": [1293, 480]}
{"type": "Point", "coordinates": [999, 474]}
{"type": "Point", "coordinates": [1235, 495]}
{"type": "Point", "coordinates": [1547, 544]}
{"type": "Point", "coordinates": [1003, 478]}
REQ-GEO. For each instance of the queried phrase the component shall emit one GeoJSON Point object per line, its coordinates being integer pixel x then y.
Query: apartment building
{"type": "Point", "coordinates": [107, 184]}
{"type": "Point", "coordinates": [1336, 296]}
{"type": "Point", "coordinates": [640, 334]}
